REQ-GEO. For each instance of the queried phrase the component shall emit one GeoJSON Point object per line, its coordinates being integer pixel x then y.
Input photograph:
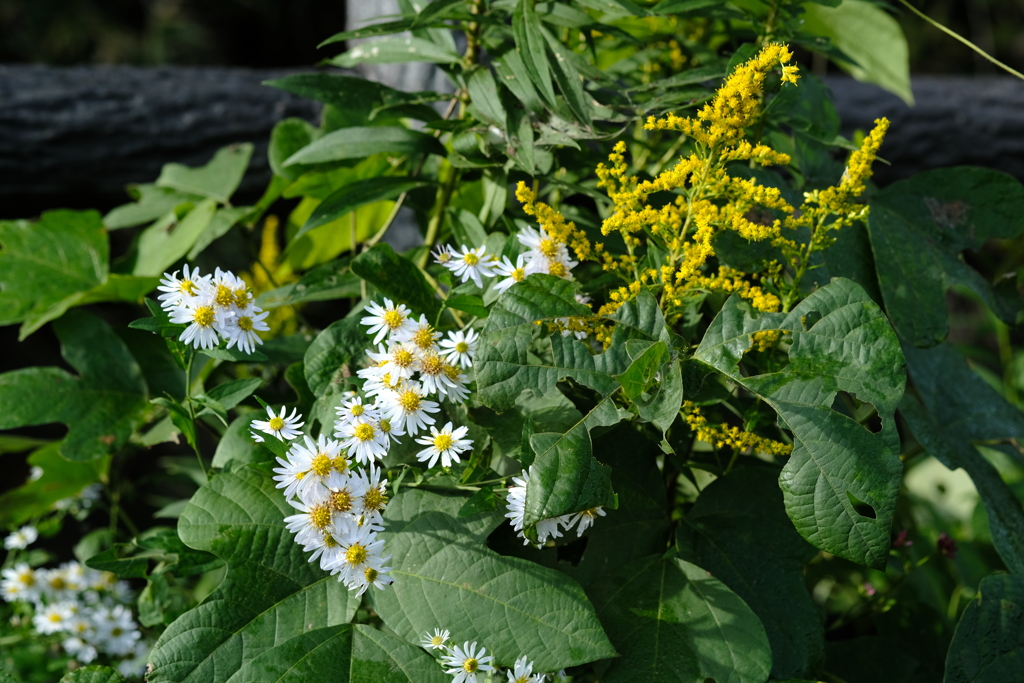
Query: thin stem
{"type": "Point", "coordinates": [192, 411]}
{"type": "Point", "coordinates": [963, 40]}
{"type": "Point", "coordinates": [444, 196]}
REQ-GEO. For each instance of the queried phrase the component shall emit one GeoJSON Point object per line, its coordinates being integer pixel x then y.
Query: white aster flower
{"type": "Point", "coordinates": [442, 255]}
{"type": "Point", "coordinates": [22, 538]}
{"type": "Point", "coordinates": [54, 618]}
{"type": "Point", "coordinates": [549, 528]}
{"type": "Point", "coordinates": [354, 409]}
{"type": "Point", "coordinates": [584, 519]}
{"type": "Point", "coordinates": [460, 347]}
{"type": "Point", "coordinates": [466, 663]}
{"type": "Point", "coordinates": [446, 444]}
{"type": "Point", "coordinates": [363, 440]}
{"type": "Point", "coordinates": [433, 377]}
{"type": "Point", "coordinates": [512, 273]}
{"type": "Point", "coordinates": [82, 651]}
{"type": "Point", "coordinates": [284, 428]}
{"type": "Point", "coordinates": [373, 496]}
{"type": "Point", "coordinates": [223, 288]}
{"type": "Point", "coordinates": [420, 335]}
{"type": "Point", "coordinates": [471, 264]}
{"type": "Point", "coordinates": [56, 584]}
{"type": "Point", "coordinates": [116, 630]}
{"type": "Point", "coordinates": [20, 582]}
{"type": "Point", "coordinates": [437, 641]}
{"type": "Point", "coordinates": [399, 362]}
{"type": "Point", "coordinates": [370, 576]}
{"type": "Point", "coordinates": [456, 391]}
{"type": "Point", "coordinates": [134, 664]}
{"type": "Point", "coordinates": [310, 465]}
{"type": "Point", "coordinates": [407, 409]}
{"type": "Point", "coordinates": [179, 291]}
{"type": "Point", "coordinates": [386, 319]}
{"type": "Point", "coordinates": [203, 319]}
{"type": "Point", "coordinates": [523, 673]}
{"type": "Point", "coordinates": [241, 328]}
{"type": "Point", "coordinates": [312, 522]}
{"type": "Point", "coordinates": [361, 550]}
{"type": "Point", "coordinates": [35, 473]}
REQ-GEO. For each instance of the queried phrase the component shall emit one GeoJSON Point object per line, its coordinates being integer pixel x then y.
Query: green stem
{"type": "Point", "coordinates": [963, 40]}
{"type": "Point", "coordinates": [444, 195]}
{"type": "Point", "coordinates": [192, 411]}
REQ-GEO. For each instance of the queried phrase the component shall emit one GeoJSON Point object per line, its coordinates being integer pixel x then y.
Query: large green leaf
{"type": "Point", "coordinates": [341, 343]}
{"type": "Point", "coordinates": [168, 239]}
{"type": "Point", "coordinates": [271, 593]}
{"type": "Point", "coordinates": [217, 180]}
{"type": "Point", "coordinates": [367, 97]}
{"type": "Point", "coordinates": [396, 50]}
{"type": "Point", "coordinates": [738, 531]}
{"type": "Point", "coordinates": [531, 48]}
{"type": "Point", "coordinates": [151, 202]}
{"type": "Point", "coordinates": [868, 35]}
{"type": "Point", "coordinates": [988, 646]}
{"type": "Point", "coordinates": [674, 623]}
{"type": "Point", "coordinates": [360, 141]}
{"type": "Point", "coordinates": [918, 229]}
{"type": "Point", "coordinates": [359, 193]}
{"type": "Point", "coordinates": [332, 280]}
{"type": "Point", "coordinates": [397, 278]}
{"type": "Point", "coordinates": [60, 479]}
{"type": "Point", "coordinates": [446, 577]}
{"type": "Point", "coordinates": [842, 481]}
{"type": "Point", "coordinates": [101, 406]}
{"type": "Point", "coordinates": [349, 653]}
{"type": "Point", "coordinates": [93, 674]}
{"type": "Point", "coordinates": [955, 408]}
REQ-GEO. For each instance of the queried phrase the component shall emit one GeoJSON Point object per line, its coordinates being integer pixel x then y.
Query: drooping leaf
{"type": "Point", "coordinates": [382, 29]}
{"type": "Point", "coordinates": [60, 479]}
{"type": "Point", "coordinates": [988, 646]}
{"type": "Point", "coordinates": [953, 409]}
{"type": "Point", "coordinates": [446, 576]}
{"type": "Point", "coordinates": [397, 278]}
{"type": "Point", "coordinates": [349, 653]}
{"type": "Point", "coordinates": [531, 49]}
{"type": "Point", "coordinates": [217, 180]}
{"type": "Point", "coordinates": [359, 141]}
{"type": "Point", "coordinates": [151, 202]}
{"type": "Point", "coordinates": [738, 531]}
{"type": "Point", "coordinates": [671, 622]}
{"type": "Point", "coordinates": [869, 36]}
{"type": "Point", "coordinates": [100, 407]}
{"type": "Point", "coordinates": [230, 394]}
{"type": "Point", "coordinates": [367, 97]}
{"type": "Point", "coordinates": [841, 341]}
{"type": "Point", "coordinates": [396, 50]}
{"type": "Point", "coordinates": [360, 193]}
{"type": "Point", "coordinates": [918, 229]}
{"type": "Point", "coordinates": [270, 594]}
{"type": "Point", "coordinates": [168, 240]}
{"type": "Point", "coordinates": [483, 93]}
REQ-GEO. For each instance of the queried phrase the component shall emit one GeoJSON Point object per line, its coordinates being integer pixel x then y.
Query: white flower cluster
{"type": "Point", "coordinates": [22, 538]}
{"type": "Point", "coordinates": [88, 608]}
{"type": "Point", "coordinates": [546, 528]}
{"type": "Point", "coordinates": [466, 662]}
{"type": "Point", "coordinates": [543, 255]}
{"type": "Point", "coordinates": [213, 306]}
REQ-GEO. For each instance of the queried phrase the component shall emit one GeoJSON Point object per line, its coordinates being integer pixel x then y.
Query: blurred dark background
{"type": "Point", "coordinates": [281, 33]}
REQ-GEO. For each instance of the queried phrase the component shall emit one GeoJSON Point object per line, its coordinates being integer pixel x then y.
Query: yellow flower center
{"type": "Point", "coordinates": [245, 323]}
{"type": "Point", "coordinates": [224, 296]}
{"type": "Point", "coordinates": [452, 372]}
{"type": "Point", "coordinates": [557, 268]}
{"type": "Point", "coordinates": [471, 259]}
{"type": "Point", "coordinates": [276, 424]}
{"type": "Point", "coordinates": [116, 631]}
{"type": "Point", "coordinates": [521, 679]}
{"type": "Point", "coordinates": [424, 337]}
{"type": "Point", "coordinates": [443, 442]}
{"type": "Point", "coordinates": [357, 409]}
{"type": "Point", "coordinates": [320, 516]}
{"type": "Point", "coordinates": [243, 297]}
{"type": "Point", "coordinates": [55, 618]}
{"type": "Point", "coordinates": [188, 287]}
{"type": "Point", "coordinates": [340, 463]}
{"type": "Point", "coordinates": [409, 400]}
{"type": "Point", "coordinates": [330, 542]}
{"type": "Point", "coordinates": [403, 358]}
{"type": "Point", "coordinates": [548, 247]}
{"type": "Point", "coordinates": [356, 554]}
{"type": "Point", "coordinates": [203, 316]}
{"type": "Point", "coordinates": [384, 425]}
{"type": "Point", "coordinates": [433, 365]}
{"type": "Point", "coordinates": [364, 432]}
{"type": "Point", "coordinates": [519, 274]}
{"type": "Point", "coordinates": [58, 583]}
{"type": "Point", "coordinates": [462, 347]}
{"type": "Point", "coordinates": [470, 665]}
{"type": "Point", "coordinates": [321, 465]}
{"type": "Point", "coordinates": [341, 500]}
{"type": "Point", "coordinates": [437, 641]}
{"type": "Point", "coordinates": [393, 319]}
{"type": "Point", "coordinates": [375, 499]}
{"type": "Point", "coordinates": [371, 574]}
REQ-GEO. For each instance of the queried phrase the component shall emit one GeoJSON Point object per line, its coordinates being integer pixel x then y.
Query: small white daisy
{"type": "Point", "coordinates": [442, 255]}
{"type": "Point", "coordinates": [370, 576]}
{"type": "Point", "coordinates": [203, 319]}
{"type": "Point", "coordinates": [512, 273]}
{"type": "Point", "coordinates": [420, 335]}
{"type": "Point", "coordinates": [311, 523]}
{"type": "Point", "coordinates": [82, 651]}
{"type": "Point", "coordinates": [583, 520]}
{"type": "Point", "coordinates": [241, 328]}
{"type": "Point", "coordinates": [20, 582]}
{"type": "Point", "coordinates": [386, 319]}
{"type": "Point", "coordinates": [54, 618]}
{"type": "Point", "coordinates": [460, 347]}
{"type": "Point", "coordinates": [433, 377]}
{"type": "Point", "coordinates": [466, 663]}
{"type": "Point", "coordinates": [310, 465]}
{"type": "Point", "coordinates": [363, 440]}
{"type": "Point", "coordinates": [361, 550]}
{"type": "Point", "coordinates": [407, 409]}
{"type": "Point", "coordinates": [177, 292]}
{"type": "Point", "coordinates": [388, 430]}
{"type": "Point", "coordinates": [354, 409]}
{"type": "Point", "coordinates": [373, 497]}
{"type": "Point", "coordinates": [437, 641]}
{"type": "Point", "coordinates": [522, 672]}
{"type": "Point", "coordinates": [22, 538]}
{"type": "Point", "coordinates": [457, 390]}
{"type": "Point", "coordinates": [284, 428]}
{"type": "Point", "coordinates": [471, 264]}
{"type": "Point", "coordinates": [446, 444]}
{"type": "Point", "coordinates": [401, 360]}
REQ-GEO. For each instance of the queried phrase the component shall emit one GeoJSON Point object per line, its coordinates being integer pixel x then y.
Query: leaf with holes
{"type": "Point", "coordinates": [674, 623]}
{"type": "Point", "coordinates": [270, 594]}
{"type": "Point", "coordinates": [446, 576]}
{"type": "Point", "coordinates": [842, 481]}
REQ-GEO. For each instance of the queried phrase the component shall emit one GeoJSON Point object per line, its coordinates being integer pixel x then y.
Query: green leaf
{"type": "Point", "coordinates": [483, 93]}
{"type": "Point", "coordinates": [568, 79]}
{"type": "Point", "coordinates": [234, 354]}
{"type": "Point", "coordinates": [738, 531]}
{"type": "Point", "coordinates": [222, 221]}
{"type": "Point", "coordinates": [365, 97]}
{"type": "Point", "coordinates": [93, 674]}
{"type": "Point", "coordinates": [269, 595]}
{"type": "Point", "coordinates": [342, 343]}
{"type": "Point", "coordinates": [512, 73]}
{"type": "Point", "coordinates": [672, 622]}
{"type": "Point", "coordinates": [530, 47]}
{"type": "Point", "coordinates": [61, 479]}
{"type": "Point", "coordinates": [381, 29]}
{"type": "Point", "coordinates": [42, 263]}
{"type": "Point", "coordinates": [871, 37]}
{"type": "Point", "coordinates": [119, 561]}
{"type": "Point", "coordinates": [919, 228]}
{"type": "Point", "coordinates": [359, 193]}
{"type": "Point", "coordinates": [168, 240]}
{"type": "Point", "coordinates": [349, 653]}
{"type": "Point", "coordinates": [101, 406]}
{"type": "Point", "coordinates": [330, 281]}
{"type": "Point", "coordinates": [473, 305]}
{"type": "Point", "coordinates": [359, 141]}
{"type": "Point", "coordinates": [955, 408]}
{"type": "Point", "coordinates": [445, 576]}
{"type": "Point", "coordinates": [230, 394]}
{"type": "Point", "coordinates": [151, 203]}
{"type": "Point", "coordinates": [396, 50]}
{"type": "Point", "coordinates": [988, 646]}
{"type": "Point", "coordinates": [217, 180]}
{"type": "Point", "coordinates": [841, 341]}
{"type": "Point", "coordinates": [640, 372]}
{"type": "Point", "coordinates": [287, 138]}
{"type": "Point", "coordinates": [664, 399]}
{"type": "Point", "coordinates": [397, 278]}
